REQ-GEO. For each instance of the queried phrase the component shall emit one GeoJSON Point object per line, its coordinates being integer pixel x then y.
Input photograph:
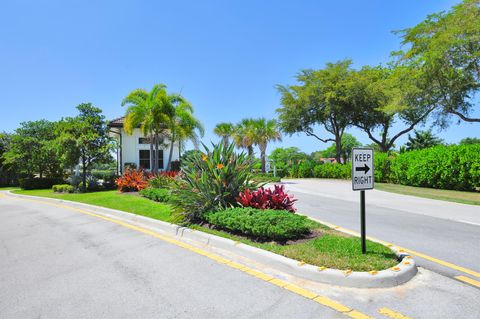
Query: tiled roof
{"type": "Point", "coordinates": [118, 122]}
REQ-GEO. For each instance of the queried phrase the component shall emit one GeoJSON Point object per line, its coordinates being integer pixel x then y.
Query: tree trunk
{"type": "Point", "coordinates": [84, 175]}
{"type": "Point", "coordinates": [151, 154]}
{"type": "Point", "coordinates": [156, 153]}
{"type": "Point", "coordinates": [172, 142]}
{"type": "Point", "coordinates": [225, 141]}
{"type": "Point", "coordinates": [338, 148]}
{"type": "Point", "coordinates": [250, 150]}
{"type": "Point", "coordinates": [263, 150]}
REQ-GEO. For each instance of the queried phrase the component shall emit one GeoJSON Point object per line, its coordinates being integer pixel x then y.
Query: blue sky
{"type": "Point", "coordinates": [224, 56]}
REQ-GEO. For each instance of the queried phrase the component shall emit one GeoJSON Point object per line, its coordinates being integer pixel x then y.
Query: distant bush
{"type": "Point", "coordinates": [156, 194]}
{"type": "Point", "coordinates": [382, 163]}
{"type": "Point", "coordinates": [305, 169]}
{"type": "Point", "coordinates": [265, 178]}
{"type": "Point", "coordinates": [133, 180]}
{"type": "Point", "coordinates": [39, 183]}
{"type": "Point", "coordinates": [329, 170]}
{"type": "Point", "coordinates": [268, 198]}
{"type": "Point", "coordinates": [446, 167]}
{"type": "Point", "coordinates": [261, 224]}
{"type": "Point", "coordinates": [63, 188]}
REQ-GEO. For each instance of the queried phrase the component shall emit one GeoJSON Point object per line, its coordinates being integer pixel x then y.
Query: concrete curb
{"type": "Point", "coordinates": [392, 277]}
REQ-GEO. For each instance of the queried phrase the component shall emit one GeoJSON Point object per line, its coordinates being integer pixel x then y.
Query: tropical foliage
{"type": "Point", "coordinates": [267, 198]}
{"type": "Point", "coordinates": [133, 180]}
{"type": "Point", "coordinates": [421, 140]}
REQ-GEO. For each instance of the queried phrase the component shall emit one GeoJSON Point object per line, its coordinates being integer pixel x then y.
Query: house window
{"type": "Point", "coordinates": [146, 140]}
{"type": "Point", "coordinates": [144, 159]}
{"type": "Point", "coordinates": [143, 140]}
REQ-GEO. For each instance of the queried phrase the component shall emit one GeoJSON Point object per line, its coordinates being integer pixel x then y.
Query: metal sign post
{"type": "Point", "coordinates": [362, 179]}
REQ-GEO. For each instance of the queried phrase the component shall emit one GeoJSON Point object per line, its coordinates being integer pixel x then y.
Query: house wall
{"type": "Point", "coordinates": [131, 148]}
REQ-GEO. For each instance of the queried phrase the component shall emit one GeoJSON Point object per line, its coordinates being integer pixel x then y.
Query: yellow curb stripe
{"type": "Point", "coordinates": [411, 252]}
{"type": "Point", "coordinates": [300, 291]}
{"type": "Point", "coordinates": [267, 278]}
{"type": "Point", "coordinates": [357, 315]}
{"type": "Point", "coordinates": [327, 302]}
{"type": "Point", "coordinates": [470, 281]}
{"type": "Point", "coordinates": [392, 314]}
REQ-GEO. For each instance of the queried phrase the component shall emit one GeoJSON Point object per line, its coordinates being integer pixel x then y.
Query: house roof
{"type": "Point", "coordinates": [118, 122]}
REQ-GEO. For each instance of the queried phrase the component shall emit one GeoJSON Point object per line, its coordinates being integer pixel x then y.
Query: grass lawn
{"type": "Point", "coordinates": [332, 250]}
{"type": "Point", "coordinates": [8, 188]}
{"type": "Point", "coordinates": [472, 198]}
{"type": "Point", "coordinates": [111, 199]}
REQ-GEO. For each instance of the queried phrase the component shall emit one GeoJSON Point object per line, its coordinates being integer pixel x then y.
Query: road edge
{"type": "Point", "coordinates": [405, 270]}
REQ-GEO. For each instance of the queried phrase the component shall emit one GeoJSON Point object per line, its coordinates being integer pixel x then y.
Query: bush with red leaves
{"type": "Point", "coordinates": [133, 180]}
{"type": "Point", "coordinates": [262, 198]}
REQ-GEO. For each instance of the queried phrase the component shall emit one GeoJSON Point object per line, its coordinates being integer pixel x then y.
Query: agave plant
{"type": "Point", "coordinates": [212, 180]}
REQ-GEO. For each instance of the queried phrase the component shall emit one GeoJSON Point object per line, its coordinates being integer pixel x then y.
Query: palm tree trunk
{"type": "Point", "coordinates": [172, 142]}
{"type": "Point", "coordinates": [151, 153]}
{"type": "Point", "coordinates": [156, 153]}
{"type": "Point", "coordinates": [250, 150]}
{"type": "Point", "coordinates": [263, 151]}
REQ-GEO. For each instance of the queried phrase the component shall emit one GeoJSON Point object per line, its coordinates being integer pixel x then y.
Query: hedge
{"type": "Point", "coordinates": [329, 170]}
{"type": "Point", "coordinates": [63, 188]}
{"type": "Point", "coordinates": [156, 194]}
{"type": "Point", "coordinates": [39, 183]}
{"type": "Point", "coordinates": [446, 167]}
{"type": "Point", "coordinates": [262, 224]}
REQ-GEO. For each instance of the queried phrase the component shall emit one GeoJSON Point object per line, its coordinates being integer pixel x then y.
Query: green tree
{"type": "Point", "coordinates": [182, 124]}
{"type": "Point", "coordinates": [7, 173]}
{"type": "Point", "coordinates": [33, 149]}
{"type": "Point", "coordinates": [284, 158]}
{"type": "Point", "coordinates": [421, 140]}
{"type": "Point", "coordinates": [470, 140]}
{"type": "Point", "coordinates": [447, 47]}
{"type": "Point", "coordinates": [348, 143]}
{"type": "Point", "coordinates": [84, 139]}
{"type": "Point", "coordinates": [225, 131]}
{"type": "Point", "coordinates": [265, 131]}
{"type": "Point", "coordinates": [151, 111]}
{"type": "Point", "coordinates": [244, 135]}
{"type": "Point", "coordinates": [320, 99]}
{"type": "Point", "coordinates": [383, 96]}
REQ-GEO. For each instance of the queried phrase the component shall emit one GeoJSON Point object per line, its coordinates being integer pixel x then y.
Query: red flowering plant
{"type": "Point", "coordinates": [262, 198]}
{"type": "Point", "coordinates": [133, 180]}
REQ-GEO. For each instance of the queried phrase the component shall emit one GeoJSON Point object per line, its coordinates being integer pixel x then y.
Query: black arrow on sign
{"type": "Point", "coordinates": [365, 169]}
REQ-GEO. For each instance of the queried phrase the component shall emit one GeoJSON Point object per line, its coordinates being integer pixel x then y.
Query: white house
{"type": "Point", "coordinates": [135, 148]}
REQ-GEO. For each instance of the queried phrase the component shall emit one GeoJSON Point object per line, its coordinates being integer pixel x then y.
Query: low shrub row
{"type": "Point", "coordinates": [261, 224]}
{"type": "Point", "coordinates": [156, 194]}
{"type": "Point", "coordinates": [63, 188]}
{"type": "Point", "coordinates": [39, 183]}
{"type": "Point", "coordinates": [261, 178]}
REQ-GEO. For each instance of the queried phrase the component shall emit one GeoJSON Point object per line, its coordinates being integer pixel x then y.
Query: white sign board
{"type": "Point", "coordinates": [362, 169]}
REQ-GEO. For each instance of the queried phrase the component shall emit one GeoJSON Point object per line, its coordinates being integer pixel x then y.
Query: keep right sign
{"type": "Point", "coordinates": [362, 169]}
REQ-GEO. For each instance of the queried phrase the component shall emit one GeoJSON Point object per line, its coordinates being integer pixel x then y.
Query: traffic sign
{"type": "Point", "coordinates": [362, 169]}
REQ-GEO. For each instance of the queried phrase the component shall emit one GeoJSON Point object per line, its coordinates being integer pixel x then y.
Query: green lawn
{"type": "Point", "coordinates": [111, 199]}
{"type": "Point", "coordinates": [8, 188]}
{"type": "Point", "coordinates": [472, 198]}
{"type": "Point", "coordinates": [332, 250]}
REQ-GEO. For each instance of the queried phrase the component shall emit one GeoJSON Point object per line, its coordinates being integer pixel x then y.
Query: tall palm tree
{"type": "Point", "coordinates": [147, 110]}
{"type": "Point", "coordinates": [182, 124]}
{"type": "Point", "coordinates": [225, 131]}
{"type": "Point", "coordinates": [244, 135]}
{"type": "Point", "coordinates": [265, 131]}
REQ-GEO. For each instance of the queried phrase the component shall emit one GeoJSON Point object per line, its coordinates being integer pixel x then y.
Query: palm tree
{"type": "Point", "coordinates": [147, 110]}
{"type": "Point", "coordinates": [421, 140]}
{"type": "Point", "coordinates": [265, 131]}
{"type": "Point", "coordinates": [225, 131]}
{"type": "Point", "coordinates": [182, 124]}
{"type": "Point", "coordinates": [244, 135]}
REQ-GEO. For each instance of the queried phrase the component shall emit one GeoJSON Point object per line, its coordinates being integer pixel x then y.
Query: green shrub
{"type": "Point", "coordinates": [305, 169]}
{"type": "Point", "coordinates": [262, 224]}
{"type": "Point", "coordinates": [382, 163]}
{"type": "Point", "coordinates": [63, 188]}
{"type": "Point", "coordinates": [445, 167]}
{"type": "Point", "coordinates": [156, 194]}
{"type": "Point", "coordinates": [161, 181]}
{"type": "Point", "coordinates": [262, 178]}
{"type": "Point", "coordinates": [212, 181]}
{"type": "Point", "coordinates": [39, 183]}
{"type": "Point", "coordinates": [330, 170]}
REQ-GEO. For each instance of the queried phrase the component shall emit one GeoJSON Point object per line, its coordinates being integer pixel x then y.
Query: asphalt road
{"type": "Point", "coordinates": [55, 263]}
{"type": "Point", "coordinates": [443, 230]}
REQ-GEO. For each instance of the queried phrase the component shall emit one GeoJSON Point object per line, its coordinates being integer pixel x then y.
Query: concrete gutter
{"type": "Point", "coordinates": [392, 277]}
